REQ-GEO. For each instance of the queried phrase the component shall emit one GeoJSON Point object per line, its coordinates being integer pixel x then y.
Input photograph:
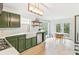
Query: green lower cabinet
{"type": "Point", "coordinates": [13, 41]}
{"type": "Point", "coordinates": [18, 42]}
{"type": "Point", "coordinates": [34, 42]}
{"type": "Point", "coordinates": [28, 43]}
{"type": "Point", "coordinates": [21, 43]}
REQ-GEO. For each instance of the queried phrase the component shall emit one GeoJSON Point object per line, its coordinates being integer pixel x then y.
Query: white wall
{"type": "Point", "coordinates": [26, 18]}
{"type": "Point", "coordinates": [24, 24]}
{"type": "Point", "coordinates": [62, 21]}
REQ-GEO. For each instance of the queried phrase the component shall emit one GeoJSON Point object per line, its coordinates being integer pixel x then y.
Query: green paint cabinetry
{"type": "Point", "coordinates": [17, 41]}
{"type": "Point", "coordinates": [21, 42]}
{"type": "Point", "coordinates": [13, 41]}
{"type": "Point", "coordinates": [34, 42]}
{"type": "Point", "coordinates": [9, 20]}
{"type": "Point", "coordinates": [28, 43]}
{"type": "Point", "coordinates": [4, 20]}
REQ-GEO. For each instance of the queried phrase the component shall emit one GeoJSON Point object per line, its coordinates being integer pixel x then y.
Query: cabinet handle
{"type": "Point", "coordinates": [77, 36]}
{"type": "Point", "coordinates": [8, 20]}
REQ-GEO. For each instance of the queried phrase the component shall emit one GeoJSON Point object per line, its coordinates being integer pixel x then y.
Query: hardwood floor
{"type": "Point", "coordinates": [51, 47]}
{"type": "Point", "coordinates": [37, 50]}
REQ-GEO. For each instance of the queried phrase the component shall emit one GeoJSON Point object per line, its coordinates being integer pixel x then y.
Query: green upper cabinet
{"type": "Point", "coordinates": [10, 20]}
{"type": "Point", "coordinates": [14, 20]}
{"type": "Point", "coordinates": [21, 43]}
{"type": "Point", "coordinates": [34, 42]}
{"type": "Point", "coordinates": [4, 18]}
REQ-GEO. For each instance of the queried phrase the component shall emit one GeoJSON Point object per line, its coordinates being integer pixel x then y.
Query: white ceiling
{"type": "Point", "coordinates": [51, 10]}
{"type": "Point", "coordinates": [63, 10]}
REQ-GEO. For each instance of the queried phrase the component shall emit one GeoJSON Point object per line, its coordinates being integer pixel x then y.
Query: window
{"type": "Point", "coordinates": [66, 28]}
{"type": "Point", "coordinates": [45, 26]}
{"type": "Point", "coordinates": [58, 28]}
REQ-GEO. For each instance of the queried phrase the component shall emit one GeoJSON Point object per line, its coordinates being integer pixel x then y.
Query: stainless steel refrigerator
{"type": "Point", "coordinates": [76, 48]}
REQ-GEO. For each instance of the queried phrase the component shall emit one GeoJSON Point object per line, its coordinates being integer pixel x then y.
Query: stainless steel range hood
{"type": "Point", "coordinates": [1, 7]}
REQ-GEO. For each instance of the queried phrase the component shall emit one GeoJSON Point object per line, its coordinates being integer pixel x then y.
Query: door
{"type": "Point", "coordinates": [15, 20]}
{"type": "Point", "coordinates": [13, 41]}
{"type": "Point", "coordinates": [34, 41]}
{"type": "Point", "coordinates": [4, 20]}
{"type": "Point", "coordinates": [21, 43]}
{"type": "Point", "coordinates": [28, 43]}
{"type": "Point", "coordinates": [77, 29]}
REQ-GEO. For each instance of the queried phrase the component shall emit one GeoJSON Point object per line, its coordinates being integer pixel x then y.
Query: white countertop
{"type": "Point", "coordinates": [61, 33]}
{"type": "Point", "coordinates": [41, 31]}
{"type": "Point", "coordinates": [9, 51]}
{"type": "Point", "coordinates": [28, 34]}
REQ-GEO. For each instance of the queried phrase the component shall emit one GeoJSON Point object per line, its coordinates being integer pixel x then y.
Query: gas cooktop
{"type": "Point", "coordinates": [3, 44]}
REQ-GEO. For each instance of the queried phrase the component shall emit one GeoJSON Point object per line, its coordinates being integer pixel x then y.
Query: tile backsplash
{"type": "Point", "coordinates": [23, 29]}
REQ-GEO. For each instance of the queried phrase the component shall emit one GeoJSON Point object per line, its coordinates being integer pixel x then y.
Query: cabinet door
{"type": "Point", "coordinates": [28, 43]}
{"type": "Point", "coordinates": [21, 44]}
{"type": "Point", "coordinates": [13, 41]}
{"type": "Point", "coordinates": [15, 20]}
{"type": "Point", "coordinates": [4, 20]}
{"type": "Point", "coordinates": [34, 41]}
